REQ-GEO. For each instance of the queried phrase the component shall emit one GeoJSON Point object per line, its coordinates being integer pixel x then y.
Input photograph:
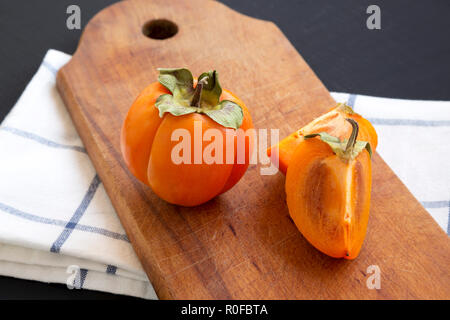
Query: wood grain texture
{"type": "Point", "coordinates": [242, 244]}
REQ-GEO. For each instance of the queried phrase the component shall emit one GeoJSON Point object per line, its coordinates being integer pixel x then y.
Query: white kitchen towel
{"type": "Point", "coordinates": [58, 225]}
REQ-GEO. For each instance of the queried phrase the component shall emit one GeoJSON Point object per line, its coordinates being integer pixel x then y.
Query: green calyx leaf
{"type": "Point", "coordinates": [339, 147]}
{"type": "Point", "coordinates": [229, 114]}
{"type": "Point", "coordinates": [166, 103]}
{"type": "Point", "coordinates": [347, 149]}
{"type": "Point", "coordinates": [204, 98]}
{"type": "Point", "coordinates": [211, 90]}
{"type": "Point", "coordinates": [178, 81]}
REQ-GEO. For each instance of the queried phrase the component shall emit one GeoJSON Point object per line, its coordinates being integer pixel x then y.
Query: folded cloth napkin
{"type": "Point", "coordinates": [57, 223]}
{"type": "Point", "coordinates": [55, 216]}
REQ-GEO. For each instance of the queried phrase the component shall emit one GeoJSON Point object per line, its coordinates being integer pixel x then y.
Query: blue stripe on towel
{"type": "Point", "coordinates": [56, 222]}
{"type": "Point", "coordinates": [448, 221]}
{"type": "Point", "coordinates": [41, 140]}
{"type": "Point", "coordinates": [104, 232]}
{"type": "Point", "coordinates": [351, 101]}
{"type": "Point", "coordinates": [409, 122]}
{"type": "Point", "coordinates": [436, 204]}
{"type": "Point", "coordinates": [110, 269]}
{"type": "Point", "coordinates": [56, 247]}
{"type": "Point", "coordinates": [400, 122]}
{"type": "Point", "coordinates": [49, 67]}
{"type": "Point", "coordinates": [80, 278]}
{"type": "Point", "coordinates": [31, 217]}
{"type": "Point", "coordinates": [83, 275]}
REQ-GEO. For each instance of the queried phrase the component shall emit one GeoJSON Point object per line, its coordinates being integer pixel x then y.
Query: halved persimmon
{"type": "Point", "coordinates": [333, 123]}
{"type": "Point", "coordinates": [328, 186]}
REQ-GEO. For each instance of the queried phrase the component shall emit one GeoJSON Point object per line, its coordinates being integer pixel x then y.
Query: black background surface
{"type": "Point", "coordinates": [407, 58]}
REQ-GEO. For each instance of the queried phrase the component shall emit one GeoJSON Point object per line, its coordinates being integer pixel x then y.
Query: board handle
{"type": "Point", "coordinates": [162, 22]}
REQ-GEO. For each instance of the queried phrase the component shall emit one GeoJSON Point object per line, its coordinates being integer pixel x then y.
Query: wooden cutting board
{"type": "Point", "coordinates": [242, 244]}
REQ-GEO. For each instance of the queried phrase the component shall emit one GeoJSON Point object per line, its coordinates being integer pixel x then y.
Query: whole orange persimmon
{"type": "Point", "coordinates": [166, 123]}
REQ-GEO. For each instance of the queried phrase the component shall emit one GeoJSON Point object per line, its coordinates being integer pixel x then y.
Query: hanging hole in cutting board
{"type": "Point", "coordinates": [160, 29]}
